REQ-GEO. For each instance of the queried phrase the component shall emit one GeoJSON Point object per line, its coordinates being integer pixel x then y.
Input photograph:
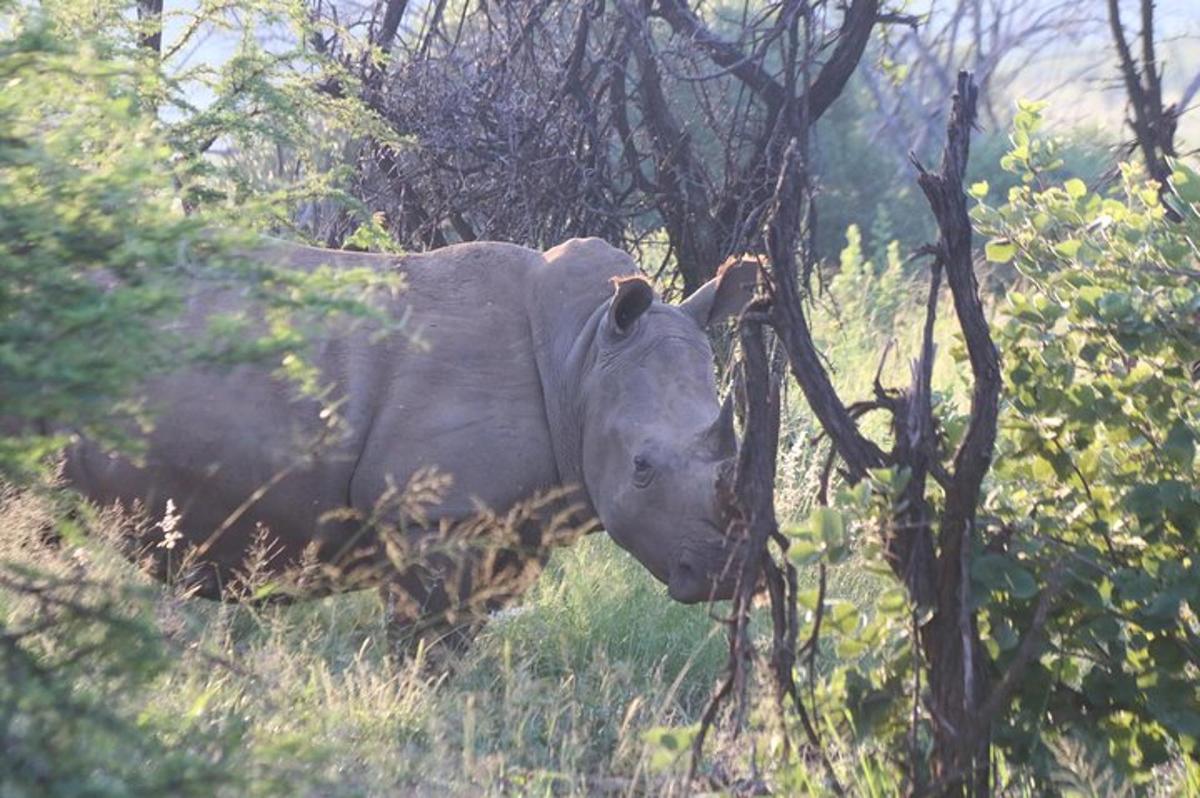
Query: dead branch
{"type": "Point", "coordinates": [852, 39]}
{"type": "Point", "coordinates": [952, 639]}
{"type": "Point", "coordinates": [791, 325]}
{"type": "Point", "coordinates": [1153, 126]}
{"type": "Point", "coordinates": [750, 510]}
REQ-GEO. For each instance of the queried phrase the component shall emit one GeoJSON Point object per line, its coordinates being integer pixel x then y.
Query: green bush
{"type": "Point", "coordinates": [86, 229]}
{"type": "Point", "coordinates": [97, 253]}
{"type": "Point", "coordinates": [1095, 488]}
{"type": "Point", "coordinates": [73, 652]}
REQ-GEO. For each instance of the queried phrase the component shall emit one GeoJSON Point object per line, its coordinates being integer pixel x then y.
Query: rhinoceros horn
{"type": "Point", "coordinates": [721, 436]}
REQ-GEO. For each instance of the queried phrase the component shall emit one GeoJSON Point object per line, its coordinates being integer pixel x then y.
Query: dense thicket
{"type": "Point", "coordinates": [133, 159]}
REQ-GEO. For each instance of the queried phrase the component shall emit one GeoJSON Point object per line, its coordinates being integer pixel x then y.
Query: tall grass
{"type": "Point", "coordinates": [553, 694]}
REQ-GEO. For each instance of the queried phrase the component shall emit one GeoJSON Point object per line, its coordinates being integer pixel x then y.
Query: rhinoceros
{"type": "Point", "coordinates": [537, 370]}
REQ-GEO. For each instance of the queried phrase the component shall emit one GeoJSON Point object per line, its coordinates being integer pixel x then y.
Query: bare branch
{"type": "Point", "coordinates": [392, 15]}
{"type": "Point", "coordinates": [1189, 93]}
{"type": "Point", "coordinates": [791, 324]}
{"type": "Point", "coordinates": [747, 67]}
{"type": "Point", "coordinates": [852, 40]}
{"type": "Point", "coordinates": [1152, 125]}
{"type": "Point", "coordinates": [150, 18]}
{"type": "Point", "coordinates": [957, 678]}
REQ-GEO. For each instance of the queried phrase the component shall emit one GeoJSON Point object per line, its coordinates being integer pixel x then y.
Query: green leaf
{"type": "Point", "coordinates": [1021, 583]}
{"type": "Point", "coordinates": [979, 190]}
{"type": "Point", "coordinates": [1075, 188]}
{"type": "Point", "coordinates": [808, 598]}
{"type": "Point", "coordinates": [842, 617]}
{"type": "Point", "coordinates": [1069, 248]}
{"type": "Point", "coordinates": [1000, 250]}
{"type": "Point", "coordinates": [1105, 628]}
{"type": "Point", "coordinates": [1164, 607]}
{"type": "Point", "coordinates": [828, 525]}
{"type": "Point", "coordinates": [892, 601]}
{"type": "Point", "coordinates": [1115, 305]}
{"type": "Point", "coordinates": [1030, 111]}
{"type": "Point", "coordinates": [849, 648]}
{"type": "Point", "coordinates": [1168, 653]}
{"type": "Point", "coordinates": [1144, 502]}
{"type": "Point", "coordinates": [803, 551]}
{"type": "Point", "coordinates": [1180, 446]}
{"type": "Point", "coordinates": [1186, 182]}
{"type": "Point", "coordinates": [1000, 572]}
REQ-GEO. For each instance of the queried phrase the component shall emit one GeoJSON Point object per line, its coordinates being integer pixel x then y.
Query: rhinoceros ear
{"type": "Point", "coordinates": [724, 295]}
{"type": "Point", "coordinates": [631, 298]}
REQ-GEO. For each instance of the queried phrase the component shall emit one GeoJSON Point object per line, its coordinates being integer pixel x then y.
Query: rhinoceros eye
{"type": "Point", "coordinates": [643, 471]}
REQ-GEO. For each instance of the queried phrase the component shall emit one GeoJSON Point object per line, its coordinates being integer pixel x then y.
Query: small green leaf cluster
{"type": "Point", "coordinates": [864, 688]}
{"type": "Point", "coordinates": [372, 236]}
{"type": "Point", "coordinates": [1030, 155]}
{"type": "Point", "coordinates": [869, 295]}
{"type": "Point", "coordinates": [1094, 497]}
{"type": "Point", "coordinates": [86, 223]}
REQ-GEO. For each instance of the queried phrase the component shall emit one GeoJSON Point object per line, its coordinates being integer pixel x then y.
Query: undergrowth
{"type": "Point", "coordinates": [114, 685]}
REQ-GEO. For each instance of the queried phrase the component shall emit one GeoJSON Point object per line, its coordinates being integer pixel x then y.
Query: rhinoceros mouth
{"type": "Point", "coordinates": [688, 587]}
{"type": "Point", "coordinates": [708, 574]}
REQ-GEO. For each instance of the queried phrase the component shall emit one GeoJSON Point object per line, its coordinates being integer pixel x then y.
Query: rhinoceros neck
{"type": "Point", "coordinates": [571, 291]}
{"type": "Point", "coordinates": [566, 415]}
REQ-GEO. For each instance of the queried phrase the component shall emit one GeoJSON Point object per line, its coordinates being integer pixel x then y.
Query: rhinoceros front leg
{"type": "Point", "coordinates": [421, 620]}
{"type": "Point", "coordinates": [437, 608]}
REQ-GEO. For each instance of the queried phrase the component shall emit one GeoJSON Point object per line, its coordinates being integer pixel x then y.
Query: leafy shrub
{"type": "Point", "coordinates": [96, 250]}
{"type": "Point", "coordinates": [97, 253]}
{"type": "Point", "coordinates": [73, 650]}
{"type": "Point", "coordinates": [1095, 486]}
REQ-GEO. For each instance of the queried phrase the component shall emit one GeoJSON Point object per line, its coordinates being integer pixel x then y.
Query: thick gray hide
{"type": "Point", "coordinates": [537, 370]}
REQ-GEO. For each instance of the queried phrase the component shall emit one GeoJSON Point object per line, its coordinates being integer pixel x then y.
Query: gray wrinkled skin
{"type": "Point", "coordinates": [539, 370]}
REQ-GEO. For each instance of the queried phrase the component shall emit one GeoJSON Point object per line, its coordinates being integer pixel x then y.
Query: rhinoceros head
{"type": "Point", "coordinates": [655, 439]}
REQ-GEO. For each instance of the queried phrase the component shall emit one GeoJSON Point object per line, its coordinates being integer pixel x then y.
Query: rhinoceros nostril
{"type": "Point", "coordinates": [687, 584]}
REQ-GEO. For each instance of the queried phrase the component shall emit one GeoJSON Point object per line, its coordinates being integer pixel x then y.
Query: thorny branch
{"type": "Point", "coordinates": [936, 577]}
{"type": "Point", "coordinates": [751, 513]}
{"type": "Point", "coordinates": [596, 129]}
